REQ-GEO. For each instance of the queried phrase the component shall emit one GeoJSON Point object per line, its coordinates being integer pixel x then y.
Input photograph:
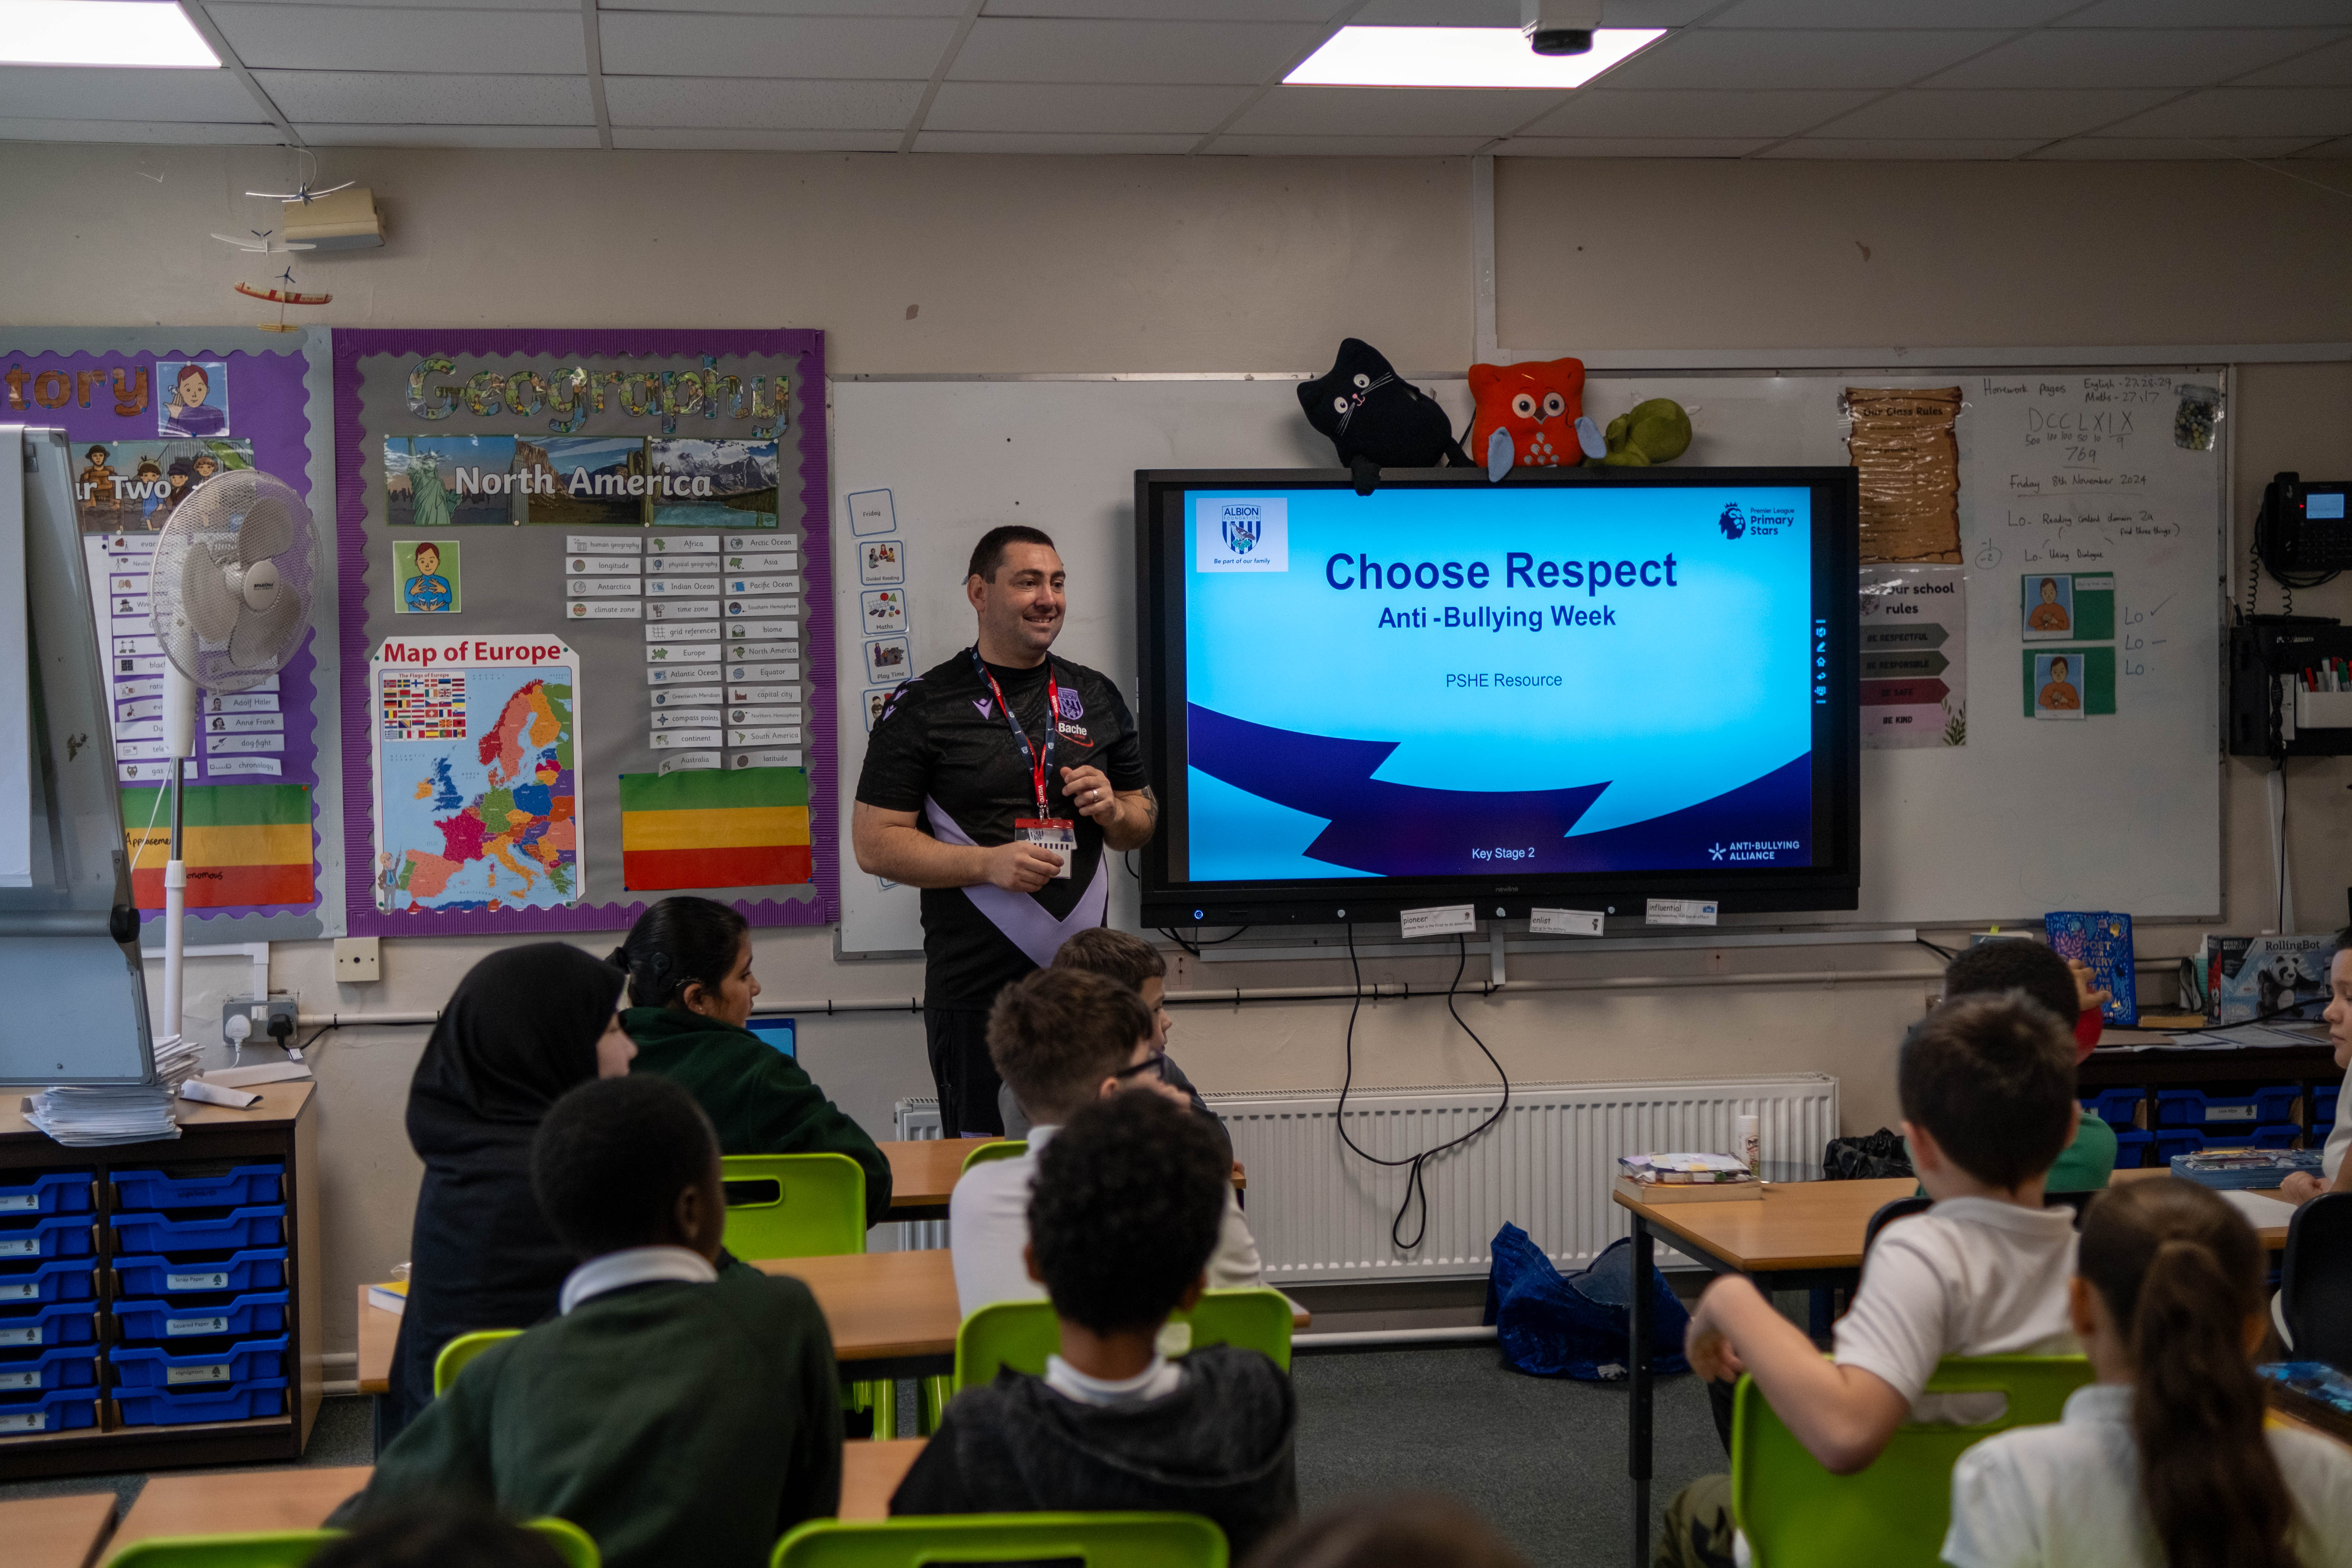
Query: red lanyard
{"type": "Point", "coordinates": [1039, 765]}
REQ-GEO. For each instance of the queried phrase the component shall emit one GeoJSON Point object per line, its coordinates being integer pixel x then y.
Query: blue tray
{"type": "Point", "coordinates": [66, 1279]}
{"type": "Point", "coordinates": [64, 1324]}
{"type": "Point", "coordinates": [63, 1235]}
{"type": "Point", "coordinates": [263, 1226]}
{"type": "Point", "coordinates": [68, 1366]}
{"type": "Point", "coordinates": [166, 1407]}
{"type": "Point", "coordinates": [156, 1190]}
{"type": "Point", "coordinates": [2278, 1163]}
{"type": "Point", "coordinates": [60, 1410]}
{"type": "Point", "coordinates": [260, 1270]}
{"type": "Point", "coordinates": [261, 1312]}
{"type": "Point", "coordinates": [59, 1192]}
{"type": "Point", "coordinates": [240, 1362]}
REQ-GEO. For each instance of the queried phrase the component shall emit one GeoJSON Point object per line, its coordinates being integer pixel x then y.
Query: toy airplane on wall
{"type": "Point", "coordinates": [302, 193]}
{"type": "Point", "coordinates": [261, 244]}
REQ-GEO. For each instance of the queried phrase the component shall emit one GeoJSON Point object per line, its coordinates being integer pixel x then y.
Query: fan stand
{"type": "Point", "coordinates": [180, 740]}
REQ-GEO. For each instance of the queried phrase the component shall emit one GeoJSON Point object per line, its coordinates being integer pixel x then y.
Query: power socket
{"type": "Point", "coordinates": [256, 1016]}
{"type": "Point", "coordinates": [359, 960]}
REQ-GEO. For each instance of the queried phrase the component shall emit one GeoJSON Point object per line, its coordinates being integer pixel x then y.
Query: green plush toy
{"type": "Point", "coordinates": [1657, 431]}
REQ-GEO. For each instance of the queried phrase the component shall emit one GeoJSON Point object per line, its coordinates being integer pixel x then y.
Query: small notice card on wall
{"type": "Point", "coordinates": [1915, 657]}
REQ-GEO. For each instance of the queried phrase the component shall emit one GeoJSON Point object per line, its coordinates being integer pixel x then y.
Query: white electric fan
{"type": "Point", "coordinates": [230, 595]}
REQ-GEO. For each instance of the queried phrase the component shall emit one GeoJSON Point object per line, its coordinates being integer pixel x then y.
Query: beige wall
{"type": "Point", "coordinates": [1223, 265]}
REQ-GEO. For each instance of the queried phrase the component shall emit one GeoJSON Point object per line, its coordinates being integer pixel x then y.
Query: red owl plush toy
{"type": "Point", "coordinates": [1531, 414]}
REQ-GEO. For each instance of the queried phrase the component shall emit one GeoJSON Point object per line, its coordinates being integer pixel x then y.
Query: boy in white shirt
{"type": "Point", "coordinates": [1062, 1038]}
{"type": "Point", "coordinates": [1987, 1088]}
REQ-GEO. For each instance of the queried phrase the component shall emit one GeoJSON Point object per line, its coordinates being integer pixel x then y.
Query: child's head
{"type": "Point", "coordinates": [629, 1162]}
{"type": "Point", "coordinates": [192, 385]}
{"type": "Point", "coordinates": [1062, 1037]}
{"type": "Point", "coordinates": [1419, 1530]}
{"type": "Point", "coordinates": [1990, 1081]}
{"type": "Point", "coordinates": [2170, 1291]}
{"type": "Point", "coordinates": [1127, 959]}
{"type": "Point", "coordinates": [148, 469]}
{"type": "Point", "coordinates": [95, 455]}
{"type": "Point", "coordinates": [691, 956]}
{"type": "Point", "coordinates": [2340, 998]}
{"type": "Point", "coordinates": [2057, 669]}
{"type": "Point", "coordinates": [2016, 964]}
{"type": "Point", "coordinates": [1128, 1199]}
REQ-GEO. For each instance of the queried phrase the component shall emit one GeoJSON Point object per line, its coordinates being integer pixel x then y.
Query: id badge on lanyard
{"type": "Point", "coordinates": [1056, 835]}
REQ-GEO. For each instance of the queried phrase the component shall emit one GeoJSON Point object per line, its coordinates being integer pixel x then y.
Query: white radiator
{"type": "Point", "coordinates": [1321, 1215]}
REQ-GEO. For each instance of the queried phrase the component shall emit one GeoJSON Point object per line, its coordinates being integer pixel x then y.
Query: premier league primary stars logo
{"type": "Point", "coordinates": [1732, 524]}
{"type": "Point", "coordinates": [1241, 532]}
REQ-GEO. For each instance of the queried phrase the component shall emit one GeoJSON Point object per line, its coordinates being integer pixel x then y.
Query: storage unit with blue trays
{"type": "Point", "coordinates": [172, 1316]}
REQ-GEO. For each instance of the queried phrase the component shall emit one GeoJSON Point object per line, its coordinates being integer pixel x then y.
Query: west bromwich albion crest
{"type": "Point", "coordinates": [1242, 527]}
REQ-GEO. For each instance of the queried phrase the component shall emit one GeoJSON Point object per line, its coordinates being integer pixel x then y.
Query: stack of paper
{"type": "Point", "coordinates": [87, 1116]}
{"type": "Point", "coordinates": [1681, 1170]}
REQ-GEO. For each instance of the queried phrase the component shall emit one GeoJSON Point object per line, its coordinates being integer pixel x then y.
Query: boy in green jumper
{"type": "Point", "coordinates": [677, 1414]}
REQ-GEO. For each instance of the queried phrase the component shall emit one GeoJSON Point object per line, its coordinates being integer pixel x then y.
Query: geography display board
{"type": "Point", "coordinates": [587, 626]}
{"type": "Point", "coordinates": [151, 415]}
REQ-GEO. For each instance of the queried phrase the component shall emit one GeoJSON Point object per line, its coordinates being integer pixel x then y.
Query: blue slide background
{"type": "Point", "coordinates": [1325, 745]}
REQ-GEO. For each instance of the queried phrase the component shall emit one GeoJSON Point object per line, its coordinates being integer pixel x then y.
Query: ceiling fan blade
{"type": "Point", "coordinates": [267, 529]}
{"type": "Point", "coordinates": [211, 604]}
{"type": "Point", "coordinates": [263, 637]}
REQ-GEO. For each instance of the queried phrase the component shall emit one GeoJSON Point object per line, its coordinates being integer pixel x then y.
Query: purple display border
{"type": "Point", "coordinates": [278, 450]}
{"type": "Point", "coordinates": [350, 518]}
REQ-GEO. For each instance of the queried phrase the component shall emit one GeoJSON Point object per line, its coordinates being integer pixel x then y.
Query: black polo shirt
{"type": "Point", "coordinates": [943, 751]}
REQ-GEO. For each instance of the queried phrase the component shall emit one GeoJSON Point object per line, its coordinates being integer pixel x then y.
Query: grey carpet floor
{"type": "Point", "coordinates": [1542, 1459]}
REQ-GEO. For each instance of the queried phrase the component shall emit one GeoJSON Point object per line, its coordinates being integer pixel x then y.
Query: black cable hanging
{"type": "Point", "coordinates": [1414, 1185]}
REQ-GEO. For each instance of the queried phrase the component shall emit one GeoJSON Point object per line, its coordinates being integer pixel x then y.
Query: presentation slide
{"type": "Point", "coordinates": [1452, 682]}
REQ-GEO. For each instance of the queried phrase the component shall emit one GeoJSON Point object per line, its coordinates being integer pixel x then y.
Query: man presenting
{"type": "Point", "coordinates": [995, 781]}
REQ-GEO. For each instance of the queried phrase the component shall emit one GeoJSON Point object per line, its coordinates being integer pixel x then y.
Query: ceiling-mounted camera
{"type": "Point", "coordinates": [1559, 27]}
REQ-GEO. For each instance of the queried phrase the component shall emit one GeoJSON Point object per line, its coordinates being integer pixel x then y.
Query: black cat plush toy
{"type": "Point", "coordinates": [1376, 419]}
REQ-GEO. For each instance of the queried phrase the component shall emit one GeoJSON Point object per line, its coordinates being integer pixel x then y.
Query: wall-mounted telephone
{"type": "Point", "coordinates": [2302, 535]}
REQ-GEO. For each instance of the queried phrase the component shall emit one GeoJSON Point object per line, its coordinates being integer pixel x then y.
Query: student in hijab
{"type": "Point", "coordinates": [690, 964]}
{"type": "Point", "coordinates": [524, 1026]}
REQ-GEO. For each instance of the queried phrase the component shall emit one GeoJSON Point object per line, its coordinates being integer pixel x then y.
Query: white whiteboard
{"type": "Point", "coordinates": [2120, 812]}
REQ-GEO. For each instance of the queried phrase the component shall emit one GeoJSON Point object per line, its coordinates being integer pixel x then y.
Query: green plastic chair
{"type": "Point", "coordinates": [1126, 1540]}
{"type": "Point", "coordinates": [1003, 1149]}
{"type": "Point", "coordinates": [794, 1205]}
{"type": "Point", "coordinates": [292, 1548]}
{"type": "Point", "coordinates": [1796, 1514]}
{"type": "Point", "coordinates": [1021, 1334]}
{"type": "Point", "coordinates": [461, 1350]}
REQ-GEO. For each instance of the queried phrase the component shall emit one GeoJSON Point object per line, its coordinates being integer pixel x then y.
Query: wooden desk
{"type": "Point", "coordinates": [55, 1532]}
{"type": "Point", "coordinates": [923, 1171]}
{"type": "Point", "coordinates": [225, 1503]}
{"type": "Point", "coordinates": [378, 1330]}
{"type": "Point", "coordinates": [870, 1472]}
{"type": "Point", "coordinates": [892, 1314]}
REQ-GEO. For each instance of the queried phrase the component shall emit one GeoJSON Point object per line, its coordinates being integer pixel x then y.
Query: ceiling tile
{"type": "Point", "coordinates": [1349, 146]}
{"type": "Point", "coordinates": [159, 133]}
{"type": "Point", "coordinates": [743, 140]}
{"type": "Point", "coordinates": [1964, 114]}
{"type": "Point", "coordinates": [81, 92]}
{"type": "Point", "coordinates": [405, 98]}
{"type": "Point", "coordinates": [1793, 58]}
{"type": "Point", "coordinates": [1066, 144]}
{"type": "Point", "coordinates": [1901, 148]}
{"type": "Point", "coordinates": [1889, 13]}
{"type": "Point", "coordinates": [448, 135]}
{"type": "Point", "coordinates": [1028, 49]}
{"type": "Point", "coordinates": [2339, 148]}
{"type": "Point", "coordinates": [2328, 67]}
{"type": "Point", "coordinates": [2247, 111]}
{"type": "Point", "coordinates": [1395, 112]}
{"type": "Point", "coordinates": [344, 37]}
{"type": "Point", "coordinates": [781, 7]}
{"type": "Point", "coordinates": [2203, 12]}
{"type": "Point", "coordinates": [1169, 10]}
{"type": "Point", "coordinates": [570, 6]}
{"type": "Point", "coordinates": [1506, 13]}
{"type": "Point", "coordinates": [740, 103]}
{"type": "Point", "coordinates": [654, 43]}
{"type": "Point", "coordinates": [1630, 146]}
{"type": "Point", "coordinates": [2170, 149]}
{"type": "Point", "coordinates": [2115, 56]}
{"type": "Point", "coordinates": [1081, 110]}
{"type": "Point", "coordinates": [1646, 114]}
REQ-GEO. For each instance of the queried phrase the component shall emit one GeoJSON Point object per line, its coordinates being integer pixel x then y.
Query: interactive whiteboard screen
{"type": "Point", "coordinates": [1562, 688]}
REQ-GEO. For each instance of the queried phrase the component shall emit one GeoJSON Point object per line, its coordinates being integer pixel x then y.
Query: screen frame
{"type": "Point", "coordinates": [1161, 553]}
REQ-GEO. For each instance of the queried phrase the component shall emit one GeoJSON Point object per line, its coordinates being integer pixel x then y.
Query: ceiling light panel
{"type": "Point", "coordinates": [1034, 49]}
{"type": "Point", "coordinates": [858, 49]}
{"type": "Point", "coordinates": [139, 33]}
{"type": "Point", "coordinates": [1483, 57]}
{"type": "Point", "coordinates": [348, 38]}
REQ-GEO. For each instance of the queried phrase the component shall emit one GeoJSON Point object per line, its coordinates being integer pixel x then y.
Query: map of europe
{"type": "Point", "coordinates": [480, 799]}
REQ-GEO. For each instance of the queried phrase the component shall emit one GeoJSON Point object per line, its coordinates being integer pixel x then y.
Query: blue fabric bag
{"type": "Point", "coordinates": [1576, 1326]}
